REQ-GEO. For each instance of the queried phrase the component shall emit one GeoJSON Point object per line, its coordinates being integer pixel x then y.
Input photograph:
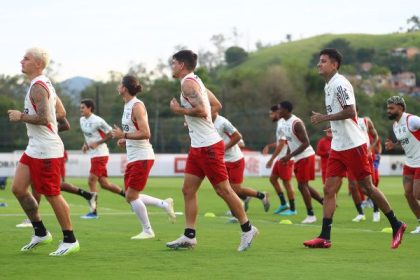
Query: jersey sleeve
{"type": "Point", "coordinates": [413, 123]}
{"type": "Point", "coordinates": [344, 93]}
{"type": "Point", "coordinates": [228, 128]}
{"type": "Point", "coordinates": [280, 134]}
{"type": "Point", "coordinates": [104, 126]}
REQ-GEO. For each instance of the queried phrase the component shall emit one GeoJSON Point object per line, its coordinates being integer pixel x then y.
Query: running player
{"type": "Point", "coordinates": [96, 133]}
{"type": "Point", "coordinates": [135, 137]}
{"type": "Point", "coordinates": [407, 131]}
{"type": "Point", "coordinates": [205, 158]}
{"type": "Point", "coordinates": [348, 149]}
{"type": "Point", "coordinates": [40, 163]}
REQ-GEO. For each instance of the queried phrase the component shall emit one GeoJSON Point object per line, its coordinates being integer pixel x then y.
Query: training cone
{"type": "Point", "coordinates": [285, 222]}
{"type": "Point", "coordinates": [179, 213]}
{"type": "Point", "coordinates": [209, 215]}
{"type": "Point", "coordinates": [387, 230]}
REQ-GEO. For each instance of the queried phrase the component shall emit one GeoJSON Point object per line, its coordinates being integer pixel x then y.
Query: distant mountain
{"type": "Point", "coordinates": [74, 86]}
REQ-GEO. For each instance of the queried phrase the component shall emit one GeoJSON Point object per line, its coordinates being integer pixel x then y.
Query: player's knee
{"type": "Point", "coordinates": [273, 180]}
{"type": "Point", "coordinates": [19, 191]}
{"type": "Point", "coordinates": [221, 191]}
{"type": "Point", "coordinates": [416, 193]}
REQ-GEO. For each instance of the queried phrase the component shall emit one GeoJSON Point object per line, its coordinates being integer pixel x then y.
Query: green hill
{"type": "Point", "coordinates": [300, 51]}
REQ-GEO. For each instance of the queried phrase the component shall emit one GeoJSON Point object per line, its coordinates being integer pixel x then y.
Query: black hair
{"type": "Point", "coordinates": [286, 105]}
{"type": "Point", "coordinates": [131, 84]}
{"type": "Point", "coordinates": [274, 108]}
{"type": "Point", "coordinates": [89, 103]}
{"type": "Point", "coordinates": [188, 57]}
{"type": "Point", "coordinates": [334, 55]}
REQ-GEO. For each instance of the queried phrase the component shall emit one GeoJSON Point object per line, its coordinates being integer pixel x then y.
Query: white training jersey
{"type": "Point", "coordinates": [44, 141]}
{"type": "Point", "coordinates": [287, 130]}
{"type": "Point", "coordinates": [225, 129]}
{"type": "Point", "coordinates": [346, 133]}
{"type": "Point", "coordinates": [280, 136]}
{"type": "Point", "coordinates": [362, 123]}
{"type": "Point", "coordinates": [94, 129]}
{"type": "Point", "coordinates": [136, 149]}
{"type": "Point", "coordinates": [409, 140]}
{"type": "Point", "coordinates": [201, 129]}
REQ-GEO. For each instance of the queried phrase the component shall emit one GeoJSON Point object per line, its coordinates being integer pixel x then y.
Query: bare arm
{"type": "Point", "coordinates": [139, 115]}
{"type": "Point", "coordinates": [39, 96]}
{"type": "Point", "coordinates": [234, 139]}
{"type": "Point", "coordinates": [279, 147]}
{"type": "Point", "coordinates": [192, 93]}
{"type": "Point", "coordinates": [348, 112]}
{"type": "Point", "coordinates": [267, 147]}
{"type": "Point", "coordinates": [215, 104]}
{"type": "Point", "coordinates": [372, 131]}
{"type": "Point", "coordinates": [63, 124]}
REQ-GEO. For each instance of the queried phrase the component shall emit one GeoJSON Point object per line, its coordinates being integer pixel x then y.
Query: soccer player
{"type": "Point", "coordinates": [96, 133]}
{"type": "Point", "coordinates": [407, 131]}
{"type": "Point", "coordinates": [205, 158]}
{"type": "Point", "coordinates": [293, 129]}
{"type": "Point", "coordinates": [135, 137]}
{"type": "Point", "coordinates": [348, 149]}
{"type": "Point", "coordinates": [234, 160]}
{"type": "Point", "coordinates": [40, 163]}
{"type": "Point", "coordinates": [369, 131]}
{"type": "Point", "coordinates": [282, 171]}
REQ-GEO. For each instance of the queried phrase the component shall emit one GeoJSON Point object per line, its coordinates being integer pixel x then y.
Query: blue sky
{"type": "Point", "coordinates": [90, 38]}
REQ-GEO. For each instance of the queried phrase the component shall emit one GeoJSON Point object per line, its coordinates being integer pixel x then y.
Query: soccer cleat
{"type": "Point", "coordinates": [93, 202]}
{"type": "Point", "coordinates": [266, 202]}
{"type": "Point", "coordinates": [246, 239]}
{"type": "Point", "coordinates": [309, 220]}
{"type": "Point", "coordinates": [397, 237]}
{"type": "Point", "coordinates": [232, 220]}
{"type": "Point", "coordinates": [90, 215]}
{"type": "Point", "coordinates": [65, 249]}
{"type": "Point", "coordinates": [281, 208]}
{"type": "Point", "coordinates": [24, 224]}
{"type": "Point", "coordinates": [288, 212]}
{"type": "Point", "coordinates": [170, 210]}
{"type": "Point", "coordinates": [317, 243]}
{"type": "Point", "coordinates": [376, 217]}
{"type": "Point", "coordinates": [246, 203]}
{"type": "Point", "coordinates": [144, 235]}
{"type": "Point", "coordinates": [359, 217]}
{"type": "Point", "coordinates": [416, 231]}
{"type": "Point", "coordinates": [182, 242]}
{"type": "Point", "coordinates": [228, 213]}
{"type": "Point", "coordinates": [37, 241]}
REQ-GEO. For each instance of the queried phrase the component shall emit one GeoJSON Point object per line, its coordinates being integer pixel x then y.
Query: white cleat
{"type": "Point", "coordinates": [182, 242]}
{"type": "Point", "coordinates": [359, 218]}
{"type": "Point", "coordinates": [376, 217]}
{"type": "Point", "coordinates": [309, 220]}
{"type": "Point", "coordinates": [24, 224]}
{"type": "Point", "coordinates": [37, 241]}
{"type": "Point", "coordinates": [266, 202]}
{"type": "Point", "coordinates": [170, 210]}
{"type": "Point", "coordinates": [144, 235]}
{"type": "Point", "coordinates": [93, 202]}
{"type": "Point", "coordinates": [416, 231]}
{"type": "Point", "coordinates": [246, 239]}
{"type": "Point", "coordinates": [65, 249]}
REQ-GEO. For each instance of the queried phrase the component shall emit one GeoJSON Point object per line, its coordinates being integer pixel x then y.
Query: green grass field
{"type": "Point", "coordinates": [359, 251]}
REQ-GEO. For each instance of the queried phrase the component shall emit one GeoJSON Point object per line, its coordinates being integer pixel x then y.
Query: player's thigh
{"type": "Point", "coordinates": [332, 185]}
{"type": "Point", "coordinates": [191, 184]}
{"type": "Point", "coordinates": [22, 179]}
{"type": "Point", "coordinates": [416, 188]}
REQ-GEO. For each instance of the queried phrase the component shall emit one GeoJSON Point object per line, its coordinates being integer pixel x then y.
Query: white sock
{"type": "Point", "coordinates": [150, 200]}
{"type": "Point", "coordinates": [141, 211]}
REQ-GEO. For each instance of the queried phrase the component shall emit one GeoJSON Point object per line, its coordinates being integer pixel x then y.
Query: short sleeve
{"type": "Point", "coordinates": [344, 93]}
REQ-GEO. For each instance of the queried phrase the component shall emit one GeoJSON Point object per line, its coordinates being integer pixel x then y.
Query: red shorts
{"type": "Point", "coordinates": [283, 171]}
{"type": "Point", "coordinates": [98, 166]}
{"type": "Point", "coordinates": [351, 177]}
{"type": "Point", "coordinates": [208, 161]}
{"type": "Point", "coordinates": [415, 171]}
{"type": "Point", "coordinates": [137, 173]}
{"type": "Point", "coordinates": [305, 169]}
{"type": "Point", "coordinates": [235, 171]}
{"type": "Point", "coordinates": [355, 161]}
{"type": "Point", "coordinates": [45, 174]}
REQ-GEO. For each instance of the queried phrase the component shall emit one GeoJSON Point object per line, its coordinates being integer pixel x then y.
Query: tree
{"type": "Point", "coordinates": [365, 54]}
{"type": "Point", "coordinates": [235, 55]}
{"type": "Point", "coordinates": [415, 24]}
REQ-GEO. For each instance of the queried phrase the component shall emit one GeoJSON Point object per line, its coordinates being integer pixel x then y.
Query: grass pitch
{"type": "Point", "coordinates": [359, 251]}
